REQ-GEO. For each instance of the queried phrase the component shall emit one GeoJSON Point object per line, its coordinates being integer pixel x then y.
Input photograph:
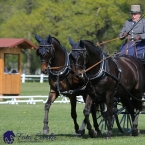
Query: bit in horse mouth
{"type": "Point", "coordinates": [44, 71]}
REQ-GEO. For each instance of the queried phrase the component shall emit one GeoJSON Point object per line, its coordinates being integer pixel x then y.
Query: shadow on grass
{"type": "Point", "coordinates": [116, 133]}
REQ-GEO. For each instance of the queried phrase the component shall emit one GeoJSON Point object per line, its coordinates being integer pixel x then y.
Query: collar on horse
{"type": "Point", "coordinates": [101, 72]}
{"type": "Point", "coordinates": [63, 72]}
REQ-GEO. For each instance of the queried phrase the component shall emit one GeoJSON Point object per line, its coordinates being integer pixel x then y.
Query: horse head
{"type": "Point", "coordinates": [45, 51]}
{"type": "Point", "coordinates": [79, 56]}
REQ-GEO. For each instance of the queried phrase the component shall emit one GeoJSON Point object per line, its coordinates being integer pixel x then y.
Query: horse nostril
{"type": "Point", "coordinates": [44, 71]}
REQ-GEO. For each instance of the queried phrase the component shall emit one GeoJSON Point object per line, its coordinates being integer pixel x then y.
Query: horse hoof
{"type": "Point", "coordinates": [77, 134]}
{"type": "Point", "coordinates": [45, 131]}
{"type": "Point", "coordinates": [81, 132]}
{"type": "Point", "coordinates": [99, 132]}
{"type": "Point", "coordinates": [135, 132]}
{"type": "Point", "coordinates": [107, 137]}
{"type": "Point", "coordinates": [92, 133]}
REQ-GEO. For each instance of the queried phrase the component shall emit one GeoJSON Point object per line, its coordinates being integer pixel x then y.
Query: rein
{"type": "Point", "coordinates": [98, 44]}
{"type": "Point", "coordinates": [105, 59]}
{"type": "Point", "coordinates": [115, 78]}
{"type": "Point", "coordinates": [57, 67]}
{"type": "Point", "coordinates": [119, 83]}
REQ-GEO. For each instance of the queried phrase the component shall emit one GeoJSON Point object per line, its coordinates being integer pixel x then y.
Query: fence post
{"type": "Point", "coordinates": [41, 78]}
{"type": "Point", "coordinates": [23, 78]}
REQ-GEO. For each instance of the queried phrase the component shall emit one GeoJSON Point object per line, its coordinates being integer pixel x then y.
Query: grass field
{"type": "Point", "coordinates": [30, 88]}
{"type": "Point", "coordinates": [27, 120]}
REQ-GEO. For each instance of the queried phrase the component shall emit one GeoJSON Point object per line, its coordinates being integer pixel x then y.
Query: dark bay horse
{"type": "Point", "coordinates": [61, 78]}
{"type": "Point", "coordinates": [108, 78]}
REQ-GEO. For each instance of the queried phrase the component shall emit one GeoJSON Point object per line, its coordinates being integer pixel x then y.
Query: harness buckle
{"type": "Point", "coordinates": [70, 91]}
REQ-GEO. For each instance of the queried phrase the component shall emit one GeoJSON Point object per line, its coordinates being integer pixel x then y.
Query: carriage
{"type": "Point", "coordinates": [71, 80]}
{"type": "Point", "coordinates": [120, 116]}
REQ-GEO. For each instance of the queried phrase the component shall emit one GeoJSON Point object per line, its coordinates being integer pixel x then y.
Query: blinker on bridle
{"type": "Point", "coordinates": [84, 54]}
{"type": "Point", "coordinates": [52, 51]}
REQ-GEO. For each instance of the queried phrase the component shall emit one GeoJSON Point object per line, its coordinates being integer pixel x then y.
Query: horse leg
{"type": "Point", "coordinates": [86, 112]}
{"type": "Point", "coordinates": [109, 113]}
{"type": "Point", "coordinates": [82, 128]}
{"type": "Point", "coordinates": [95, 123]}
{"type": "Point", "coordinates": [51, 98]}
{"type": "Point", "coordinates": [135, 124]}
{"type": "Point", "coordinates": [138, 105]}
{"type": "Point", "coordinates": [74, 114]}
{"type": "Point", "coordinates": [130, 105]}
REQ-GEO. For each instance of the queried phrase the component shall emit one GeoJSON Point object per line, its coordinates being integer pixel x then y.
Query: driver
{"type": "Point", "coordinates": [133, 32]}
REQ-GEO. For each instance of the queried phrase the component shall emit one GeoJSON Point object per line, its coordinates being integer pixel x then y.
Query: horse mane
{"type": "Point", "coordinates": [93, 44]}
{"type": "Point", "coordinates": [89, 42]}
{"type": "Point", "coordinates": [56, 40]}
{"type": "Point", "coordinates": [96, 47]}
{"type": "Point", "coordinates": [59, 43]}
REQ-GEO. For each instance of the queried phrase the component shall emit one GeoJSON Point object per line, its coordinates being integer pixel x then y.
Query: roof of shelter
{"type": "Point", "coordinates": [14, 42]}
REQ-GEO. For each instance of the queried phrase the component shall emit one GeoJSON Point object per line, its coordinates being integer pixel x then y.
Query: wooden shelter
{"type": "Point", "coordinates": [10, 49]}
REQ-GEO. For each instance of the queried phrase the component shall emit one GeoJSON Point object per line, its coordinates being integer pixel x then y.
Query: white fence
{"type": "Point", "coordinates": [34, 99]}
{"type": "Point", "coordinates": [39, 78]}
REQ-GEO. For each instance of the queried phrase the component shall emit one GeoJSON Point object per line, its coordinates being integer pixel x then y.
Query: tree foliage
{"type": "Point", "coordinates": [92, 20]}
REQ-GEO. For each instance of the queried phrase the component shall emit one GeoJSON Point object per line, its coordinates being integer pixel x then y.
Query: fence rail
{"type": "Point", "coordinates": [34, 99]}
{"type": "Point", "coordinates": [40, 78]}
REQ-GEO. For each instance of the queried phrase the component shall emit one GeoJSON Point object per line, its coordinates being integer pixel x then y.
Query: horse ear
{"type": "Point", "coordinates": [71, 41]}
{"type": "Point", "coordinates": [38, 38]}
{"type": "Point", "coordinates": [81, 44]}
{"type": "Point", "coordinates": [49, 39]}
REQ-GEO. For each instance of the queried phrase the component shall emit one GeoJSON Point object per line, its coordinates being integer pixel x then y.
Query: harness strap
{"type": "Point", "coordinates": [119, 83]}
{"type": "Point", "coordinates": [113, 77]}
{"type": "Point", "coordinates": [127, 45]}
{"type": "Point", "coordinates": [57, 84]}
{"type": "Point", "coordinates": [119, 73]}
{"type": "Point", "coordinates": [75, 90]}
{"type": "Point", "coordinates": [70, 91]}
{"type": "Point", "coordinates": [135, 51]}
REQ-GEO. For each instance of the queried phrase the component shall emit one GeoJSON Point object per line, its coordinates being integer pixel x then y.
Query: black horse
{"type": "Point", "coordinates": [56, 62]}
{"type": "Point", "coordinates": [109, 77]}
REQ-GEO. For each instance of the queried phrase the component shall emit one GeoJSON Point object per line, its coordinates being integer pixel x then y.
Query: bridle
{"type": "Point", "coordinates": [48, 48]}
{"type": "Point", "coordinates": [81, 53]}
{"type": "Point", "coordinates": [85, 56]}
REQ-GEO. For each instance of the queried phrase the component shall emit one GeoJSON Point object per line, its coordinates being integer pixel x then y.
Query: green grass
{"type": "Point", "coordinates": [28, 120]}
{"type": "Point", "coordinates": [34, 88]}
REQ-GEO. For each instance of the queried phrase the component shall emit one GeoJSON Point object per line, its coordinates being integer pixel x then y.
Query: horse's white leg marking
{"type": "Point", "coordinates": [105, 107]}
{"type": "Point", "coordinates": [83, 126]}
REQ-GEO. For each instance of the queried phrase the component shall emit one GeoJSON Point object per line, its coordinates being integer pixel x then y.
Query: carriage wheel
{"type": "Point", "coordinates": [123, 119]}
{"type": "Point", "coordinates": [102, 122]}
